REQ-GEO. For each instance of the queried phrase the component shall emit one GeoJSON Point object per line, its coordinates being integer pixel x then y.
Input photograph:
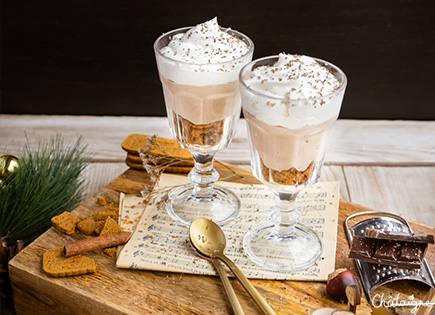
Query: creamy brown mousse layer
{"type": "Point", "coordinates": [202, 105]}
{"type": "Point", "coordinates": [288, 156]}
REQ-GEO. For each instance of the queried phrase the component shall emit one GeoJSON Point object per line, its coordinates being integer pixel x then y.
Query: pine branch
{"type": "Point", "coordinates": [47, 183]}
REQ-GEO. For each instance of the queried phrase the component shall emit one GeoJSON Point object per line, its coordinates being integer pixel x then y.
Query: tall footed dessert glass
{"type": "Point", "coordinates": [290, 103]}
{"type": "Point", "coordinates": [199, 67]}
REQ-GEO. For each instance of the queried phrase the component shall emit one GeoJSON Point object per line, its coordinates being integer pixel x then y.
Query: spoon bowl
{"type": "Point", "coordinates": [207, 237]}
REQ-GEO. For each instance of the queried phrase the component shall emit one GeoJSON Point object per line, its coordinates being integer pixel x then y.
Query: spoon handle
{"type": "Point", "coordinates": [264, 306]}
{"type": "Point", "coordinates": [235, 304]}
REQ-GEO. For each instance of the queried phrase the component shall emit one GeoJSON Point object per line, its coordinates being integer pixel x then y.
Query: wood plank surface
{"type": "Point", "coordinates": [118, 291]}
{"type": "Point", "coordinates": [352, 142]}
{"type": "Point", "coordinates": [401, 150]}
{"type": "Point", "coordinates": [406, 191]}
{"type": "Point", "coordinates": [398, 190]}
{"type": "Point", "coordinates": [386, 165]}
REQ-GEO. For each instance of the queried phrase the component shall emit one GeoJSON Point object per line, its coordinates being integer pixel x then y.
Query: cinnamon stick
{"type": "Point", "coordinates": [94, 243]}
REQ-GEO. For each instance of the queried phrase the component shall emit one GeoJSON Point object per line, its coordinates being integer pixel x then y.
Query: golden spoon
{"type": "Point", "coordinates": [209, 240]}
{"type": "Point", "coordinates": [235, 304]}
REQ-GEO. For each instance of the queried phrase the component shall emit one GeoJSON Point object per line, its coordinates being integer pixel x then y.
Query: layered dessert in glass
{"type": "Point", "coordinates": [198, 67]}
{"type": "Point", "coordinates": [289, 126]}
{"type": "Point", "coordinates": [290, 103]}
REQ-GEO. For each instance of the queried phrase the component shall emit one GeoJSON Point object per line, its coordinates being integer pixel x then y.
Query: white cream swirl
{"type": "Point", "coordinates": [204, 55]}
{"type": "Point", "coordinates": [294, 92]}
{"type": "Point", "coordinates": [204, 44]}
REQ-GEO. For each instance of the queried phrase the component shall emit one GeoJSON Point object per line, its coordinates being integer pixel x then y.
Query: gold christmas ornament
{"type": "Point", "coordinates": [8, 165]}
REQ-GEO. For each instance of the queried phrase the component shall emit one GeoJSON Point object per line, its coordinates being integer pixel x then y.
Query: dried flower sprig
{"type": "Point", "coordinates": [156, 164]}
{"type": "Point", "coordinates": [157, 195]}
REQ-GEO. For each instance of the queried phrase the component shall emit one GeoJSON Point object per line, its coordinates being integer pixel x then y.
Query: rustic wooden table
{"type": "Point", "coordinates": [386, 165]}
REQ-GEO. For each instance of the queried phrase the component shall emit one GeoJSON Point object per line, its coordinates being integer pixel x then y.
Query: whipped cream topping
{"type": "Point", "coordinates": [293, 92]}
{"type": "Point", "coordinates": [204, 44]}
{"type": "Point", "coordinates": [204, 55]}
{"type": "Point", "coordinates": [293, 77]}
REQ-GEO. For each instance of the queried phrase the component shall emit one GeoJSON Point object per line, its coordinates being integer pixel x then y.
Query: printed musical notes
{"type": "Point", "coordinates": [158, 243]}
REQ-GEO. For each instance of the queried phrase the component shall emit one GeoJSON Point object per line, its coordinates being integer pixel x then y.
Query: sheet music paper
{"type": "Point", "coordinates": [159, 243]}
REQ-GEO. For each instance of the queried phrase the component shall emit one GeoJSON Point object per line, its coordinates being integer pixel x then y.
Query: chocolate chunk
{"type": "Point", "coordinates": [400, 236]}
{"type": "Point", "coordinates": [386, 250]}
{"type": "Point", "coordinates": [412, 252]}
{"type": "Point", "coordinates": [364, 245]}
{"type": "Point", "coordinates": [391, 248]}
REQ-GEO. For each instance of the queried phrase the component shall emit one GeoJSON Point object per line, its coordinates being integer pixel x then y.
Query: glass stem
{"type": "Point", "coordinates": [285, 214]}
{"type": "Point", "coordinates": [203, 175]}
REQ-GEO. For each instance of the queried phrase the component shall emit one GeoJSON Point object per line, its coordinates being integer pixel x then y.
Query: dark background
{"type": "Point", "coordinates": [95, 56]}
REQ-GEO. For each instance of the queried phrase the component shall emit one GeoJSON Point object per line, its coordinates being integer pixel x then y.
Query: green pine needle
{"type": "Point", "coordinates": [47, 184]}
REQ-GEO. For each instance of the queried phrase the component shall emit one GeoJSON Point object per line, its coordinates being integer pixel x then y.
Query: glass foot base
{"type": "Point", "coordinates": [295, 252]}
{"type": "Point", "coordinates": [184, 207]}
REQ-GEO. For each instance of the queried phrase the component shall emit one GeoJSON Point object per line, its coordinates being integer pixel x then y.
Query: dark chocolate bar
{"type": "Point", "coordinates": [391, 248]}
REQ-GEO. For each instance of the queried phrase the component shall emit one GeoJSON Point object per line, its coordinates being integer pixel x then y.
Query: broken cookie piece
{"type": "Point", "coordinates": [65, 222]}
{"type": "Point", "coordinates": [55, 264]}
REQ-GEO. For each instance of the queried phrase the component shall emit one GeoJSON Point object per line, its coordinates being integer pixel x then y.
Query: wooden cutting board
{"type": "Point", "coordinates": [119, 291]}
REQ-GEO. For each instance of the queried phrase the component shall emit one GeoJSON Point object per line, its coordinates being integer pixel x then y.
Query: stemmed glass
{"type": "Point", "coordinates": [287, 160]}
{"type": "Point", "coordinates": [203, 106]}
